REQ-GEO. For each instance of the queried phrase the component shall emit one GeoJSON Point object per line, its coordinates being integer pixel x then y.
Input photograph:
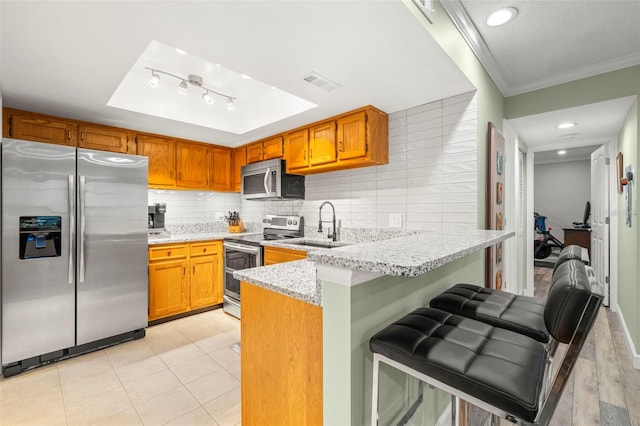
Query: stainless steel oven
{"type": "Point", "coordinates": [245, 251]}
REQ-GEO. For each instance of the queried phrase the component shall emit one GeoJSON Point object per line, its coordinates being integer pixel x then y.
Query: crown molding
{"type": "Point", "coordinates": [460, 18]}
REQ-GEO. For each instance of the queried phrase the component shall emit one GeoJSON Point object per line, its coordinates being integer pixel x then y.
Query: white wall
{"type": "Point", "coordinates": [189, 207]}
{"type": "Point", "coordinates": [431, 178]}
{"type": "Point", "coordinates": [561, 191]}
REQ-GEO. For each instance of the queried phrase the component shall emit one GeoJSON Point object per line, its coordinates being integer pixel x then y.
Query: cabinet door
{"type": "Point", "coordinates": [239, 160]}
{"type": "Point", "coordinates": [297, 150]}
{"type": "Point", "coordinates": [103, 138]}
{"type": "Point", "coordinates": [162, 159]}
{"type": "Point", "coordinates": [192, 165]}
{"type": "Point", "coordinates": [352, 136]}
{"type": "Point", "coordinates": [220, 169]}
{"type": "Point", "coordinates": [273, 255]}
{"type": "Point", "coordinates": [42, 129]}
{"type": "Point", "coordinates": [168, 288]}
{"type": "Point", "coordinates": [254, 152]}
{"type": "Point", "coordinates": [272, 148]}
{"type": "Point", "coordinates": [206, 274]}
{"type": "Point", "coordinates": [322, 143]}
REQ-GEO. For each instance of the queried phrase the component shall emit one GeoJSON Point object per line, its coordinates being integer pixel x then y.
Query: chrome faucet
{"type": "Point", "coordinates": [333, 236]}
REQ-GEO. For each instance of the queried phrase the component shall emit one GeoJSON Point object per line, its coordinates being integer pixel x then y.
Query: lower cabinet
{"type": "Point", "coordinates": [184, 277]}
{"type": "Point", "coordinates": [274, 255]}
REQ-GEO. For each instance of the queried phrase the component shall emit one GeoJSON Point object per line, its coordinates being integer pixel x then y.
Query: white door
{"type": "Point", "coordinates": [599, 218]}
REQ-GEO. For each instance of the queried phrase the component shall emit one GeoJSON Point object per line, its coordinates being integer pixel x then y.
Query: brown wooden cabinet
{"type": "Point", "coordinates": [322, 144]}
{"type": "Point", "coordinates": [297, 149]}
{"type": "Point", "coordinates": [206, 274]}
{"type": "Point", "coordinates": [39, 128]}
{"type": "Point", "coordinates": [184, 277]}
{"type": "Point", "coordinates": [168, 281]}
{"type": "Point", "coordinates": [103, 138]}
{"type": "Point", "coordinates": [292, 373]}
{"type": "Point", "coordinates": [239, 160]}
{"type": "Point", "coordinates": [355, 139]}
{"type": "Point", "coordinates": [220, 169]}
{"type": "Point", "coordinates": [265, 150]}
{"type": "Point", "coordinates": [161, 153]}
{"type": "Point", "coordinates": [192, 165]}
{"type": "Point", "coordinates": [273, 255]}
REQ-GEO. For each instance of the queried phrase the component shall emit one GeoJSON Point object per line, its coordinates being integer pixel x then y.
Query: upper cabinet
{"type": "Point", "coordinates": [39, 128]}
{"type": "Point", "coordinates": [192, 165]}
{"type": "Point", "coordinates": [161, 153]}
{"type": "Point", "coordinates": [355, 139]}
{"type": "Point", "coordinates": [220, 169]}
{"type": "Point", "coordinates": [239, 160]}
{"type": "Point", "coordinates": [103, 138]}
{"type": "Point", "coordinates": [265, 150]}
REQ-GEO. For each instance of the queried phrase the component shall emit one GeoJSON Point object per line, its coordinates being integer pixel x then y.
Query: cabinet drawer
{"type": "Point", "coordinates": [273, 255]}
{"type": "Point", "coordinates": [167, 252]}
{"type": "Point", "coordinates": [201, 249]}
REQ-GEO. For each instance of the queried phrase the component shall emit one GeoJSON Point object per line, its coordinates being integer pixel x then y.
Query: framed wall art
{"type": "Point", "coordinates": [495, 217]}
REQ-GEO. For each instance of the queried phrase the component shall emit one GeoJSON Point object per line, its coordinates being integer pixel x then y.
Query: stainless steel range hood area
{"type": "Point", "coordinates": [269, 180]}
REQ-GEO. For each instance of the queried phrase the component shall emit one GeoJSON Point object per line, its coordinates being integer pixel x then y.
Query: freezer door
{"type": "Point", "coordinates": [38, 291]}
{"type": "Point", "coordinates": [112, 295]}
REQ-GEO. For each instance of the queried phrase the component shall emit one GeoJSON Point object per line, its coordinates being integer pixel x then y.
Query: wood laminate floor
{"type": "Point", "coordinates": [604, 388]}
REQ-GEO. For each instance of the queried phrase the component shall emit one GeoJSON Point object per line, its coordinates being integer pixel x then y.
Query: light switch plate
{"type": "Point", "coordinates": [395, 220]}
{"type": "Point", "coordinates": [219, 217]}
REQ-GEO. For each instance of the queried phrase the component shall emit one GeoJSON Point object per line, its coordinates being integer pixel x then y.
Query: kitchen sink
{"type": "Point", "coordinates": [314, 244]}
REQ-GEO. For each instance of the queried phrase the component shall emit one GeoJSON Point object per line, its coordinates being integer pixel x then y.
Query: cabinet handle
{"type": "Point", "coordinates": [81, 136]}
{"type": "Point", "coordinates": [204, 250]}
{"type": "Point", "coordinates": [310, 152]}
{"type": "Point", "coordinates": [69, 134]}
{"type": "Point", "coordinates": [194, 269]}
{"type": "Point", "coordinates": [340, 146]}
{"type": "Point", "coordinates": [184, 270]}
{"type": "Point", "coordinates": [304, 154]}
{"type": "Point", "coordinates": [11, 126]}
{"type": "Point", "coordinates": [168, 253]}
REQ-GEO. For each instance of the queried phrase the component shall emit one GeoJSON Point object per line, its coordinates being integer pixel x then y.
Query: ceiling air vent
{"type": "Point", "coordinates": [318, 80]}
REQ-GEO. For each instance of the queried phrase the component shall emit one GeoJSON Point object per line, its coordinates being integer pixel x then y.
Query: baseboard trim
{"type": "Point", "coordinates": [635, 357]}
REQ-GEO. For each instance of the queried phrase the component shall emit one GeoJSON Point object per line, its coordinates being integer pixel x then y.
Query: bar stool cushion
{"type": "Point", "coordinates": [571, 252]}
{"type": "Point", "coordinates": [503, 368]}
{"type": "Point", "coordinates": [522, 314]}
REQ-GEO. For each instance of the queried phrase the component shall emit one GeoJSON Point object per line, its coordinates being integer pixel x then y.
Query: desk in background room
{"type": "Point", "coordinates": [578, 236]}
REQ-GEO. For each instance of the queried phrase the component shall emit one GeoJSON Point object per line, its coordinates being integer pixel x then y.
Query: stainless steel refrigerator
{"type": "Point", "coordinates": [74, 251]}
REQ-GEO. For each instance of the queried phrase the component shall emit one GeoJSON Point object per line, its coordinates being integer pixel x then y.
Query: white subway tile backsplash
{"type": "Point", "coordinates": [431, 178]}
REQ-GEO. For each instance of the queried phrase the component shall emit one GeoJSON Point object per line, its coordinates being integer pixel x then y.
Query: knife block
{"type": "Point", "coordinates": [237, 228]}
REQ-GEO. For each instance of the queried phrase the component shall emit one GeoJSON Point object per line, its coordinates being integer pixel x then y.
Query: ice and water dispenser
{"type": "Point", "coordinates": [40, 236]}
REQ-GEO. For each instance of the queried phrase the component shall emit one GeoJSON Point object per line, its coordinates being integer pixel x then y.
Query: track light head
{"type": "Point", "coordinates": [155, 79]}
{"type": "Point", "coordinates": [231, 105]}
{"type": "Point", "coordinates": [206, 97]}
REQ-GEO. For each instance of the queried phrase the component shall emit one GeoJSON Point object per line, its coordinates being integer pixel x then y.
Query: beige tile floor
{"type": "Point", "coordinates": [183, 372]}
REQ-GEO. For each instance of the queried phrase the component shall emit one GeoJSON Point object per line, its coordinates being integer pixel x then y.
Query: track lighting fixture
{"type": "Point", "coordinates": [191, 80]}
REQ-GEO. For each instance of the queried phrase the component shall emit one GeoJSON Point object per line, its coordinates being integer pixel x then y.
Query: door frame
{"type": "Point", "coordinates": [610, 148]}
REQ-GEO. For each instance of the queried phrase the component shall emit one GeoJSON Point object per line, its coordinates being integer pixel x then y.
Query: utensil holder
{"type": "Point", "coordinates": [237, 228]}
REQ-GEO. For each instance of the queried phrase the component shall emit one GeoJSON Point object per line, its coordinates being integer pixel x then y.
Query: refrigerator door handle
{"type": "Point", "coordinates": [72, 227]}
{"type": "Point", "coordinates": [82, 221]}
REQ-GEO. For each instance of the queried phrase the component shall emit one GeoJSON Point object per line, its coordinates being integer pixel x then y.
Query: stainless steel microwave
{"type": "Point", "coordinates": [269, 180]}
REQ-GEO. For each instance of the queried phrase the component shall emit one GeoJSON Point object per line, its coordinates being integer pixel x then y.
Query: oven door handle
{"type": "Point", "coordinates": [243, 249]}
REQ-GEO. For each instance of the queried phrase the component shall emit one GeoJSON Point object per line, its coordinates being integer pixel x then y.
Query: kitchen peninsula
{"type": "Point", "coordinates": [306, 324]}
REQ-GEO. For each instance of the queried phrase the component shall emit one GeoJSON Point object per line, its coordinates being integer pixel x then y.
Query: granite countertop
{"type": "Point", "coordinates": [196, 236]}
{"type": "Point", "coordinates": [296, 279]}
{"type": "Point", "coordinates": [410, 255]}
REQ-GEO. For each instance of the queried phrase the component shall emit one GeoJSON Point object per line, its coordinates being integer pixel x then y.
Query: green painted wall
{"type": "Point", "coordinates": [600, 88]}
{"type": "Point", "coordinates": [629, 238]}
{"type": "Point", "coordinates": [490, 100]}
{"type": "Point", "coordinates": [351, 316]}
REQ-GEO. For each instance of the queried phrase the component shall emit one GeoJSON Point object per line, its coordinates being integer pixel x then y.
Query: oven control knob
{"type": "Point", "coordinates": [289, 222]}
{"type": "Point", "coordinates": [295, 222]}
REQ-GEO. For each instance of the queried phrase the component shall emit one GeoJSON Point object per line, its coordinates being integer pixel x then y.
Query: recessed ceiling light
{"type": "Point", "coordinates": [502, 16]}
{"type": "Point", "coordinates": [567, 125]}
{"type": "Point", "coordinates": [246, 77]}
{"type": "Point", "coordinates": [180, 51]}
{"type": "Point", "coordinates": [562, 152]}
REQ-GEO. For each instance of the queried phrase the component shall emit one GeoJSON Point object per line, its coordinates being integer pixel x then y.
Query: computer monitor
{"type": "Point", "coordinates": [587, 213]}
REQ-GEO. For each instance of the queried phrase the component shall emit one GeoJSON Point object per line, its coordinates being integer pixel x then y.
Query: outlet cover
{"type": "Point", "coordinates": [219, 217]}
{"type": "Point", "coordinates": [395, 220]}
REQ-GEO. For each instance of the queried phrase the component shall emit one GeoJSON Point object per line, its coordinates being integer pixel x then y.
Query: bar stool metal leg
{"type": "Point", "coordinates": [374, 391]}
